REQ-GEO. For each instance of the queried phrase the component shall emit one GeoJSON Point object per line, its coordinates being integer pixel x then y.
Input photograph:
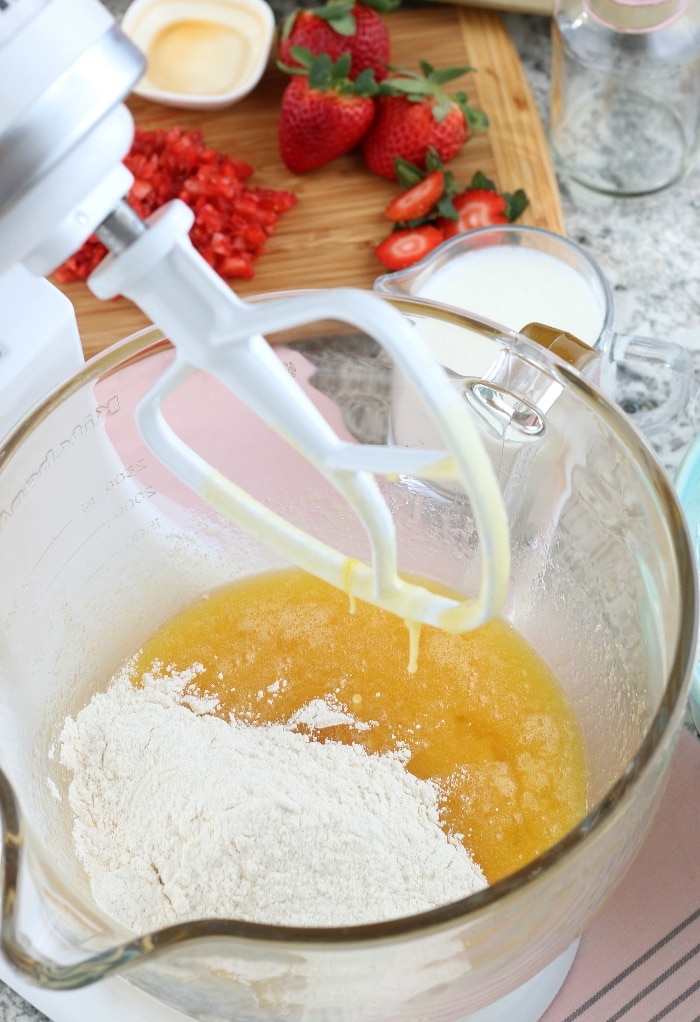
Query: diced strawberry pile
{"type": "Point", "coordinates": [232, 219]}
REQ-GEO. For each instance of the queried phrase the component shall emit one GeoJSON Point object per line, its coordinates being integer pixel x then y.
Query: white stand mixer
{"type": "Point", "coordinates": [63, 136]}
{"type": "Point", "coordinates": [61, 142]}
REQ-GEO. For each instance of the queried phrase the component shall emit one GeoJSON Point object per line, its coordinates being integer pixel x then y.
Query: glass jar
{"type": "Point", "coordinates": [625, 115]}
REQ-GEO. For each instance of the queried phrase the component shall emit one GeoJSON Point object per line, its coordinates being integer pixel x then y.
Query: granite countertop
{"type": "Point", "coordinates": [647, 248]}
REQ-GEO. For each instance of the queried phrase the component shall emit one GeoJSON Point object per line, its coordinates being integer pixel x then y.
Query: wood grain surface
{"type": "Point", "coordinates": [328, 238]}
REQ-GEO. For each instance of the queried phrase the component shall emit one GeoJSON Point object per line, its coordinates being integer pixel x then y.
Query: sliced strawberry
{"type": "Point", "coordinates": [417, 201]}
{"type": "Point", "coordinates": [475, 207]}
{"type": "Point", "coordinates": [404, 248]}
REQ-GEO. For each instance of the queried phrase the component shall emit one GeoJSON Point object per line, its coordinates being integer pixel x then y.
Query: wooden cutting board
{"type": "Point", "coordinates": [328, 238]}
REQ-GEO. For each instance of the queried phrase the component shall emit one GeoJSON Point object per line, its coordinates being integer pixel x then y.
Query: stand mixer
{"type": "Point", "coordinates": [64, 69]}
{"type": "Point", "coordinates": [63, 138]}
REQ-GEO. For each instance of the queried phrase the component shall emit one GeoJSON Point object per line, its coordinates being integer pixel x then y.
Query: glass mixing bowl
{"type": "Point", "coordinates": [99, 544]}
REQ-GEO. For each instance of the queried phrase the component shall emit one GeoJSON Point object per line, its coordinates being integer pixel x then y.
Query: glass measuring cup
{"type": "Point", "coordinates": [516, 276]}
{"type": "Point", "coordinates": [100, 543]}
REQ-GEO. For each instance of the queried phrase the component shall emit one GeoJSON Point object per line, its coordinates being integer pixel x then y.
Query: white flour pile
{"type": "Point", "coordinates": [181, 815]}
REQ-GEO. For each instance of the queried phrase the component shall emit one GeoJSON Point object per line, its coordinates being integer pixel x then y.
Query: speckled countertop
{"type": "Point", "coordinates": [648, 249]}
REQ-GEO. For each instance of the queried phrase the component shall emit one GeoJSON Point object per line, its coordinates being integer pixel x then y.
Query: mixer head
{"type": "Point", "coordinates": [65, 67]}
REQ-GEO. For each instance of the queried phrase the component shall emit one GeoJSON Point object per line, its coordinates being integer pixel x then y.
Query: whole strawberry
{"type": "Point", "coordinates": [324, 114]}
{"type": "Point", "coordinates": [415, 115]}
{"type": "Point", "coordinates": [338, 27]}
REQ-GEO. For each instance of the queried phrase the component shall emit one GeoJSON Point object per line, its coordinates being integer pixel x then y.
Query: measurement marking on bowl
{"type": "Point", "coordinates": [50, 544]}
{"type": "Point", "coordinates": [72, 556]}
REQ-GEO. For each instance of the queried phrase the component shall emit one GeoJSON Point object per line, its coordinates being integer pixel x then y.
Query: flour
{"type": "Point", "coordinates": [319, 714]}
{"type": "Point", "coordinates": [179, 814]}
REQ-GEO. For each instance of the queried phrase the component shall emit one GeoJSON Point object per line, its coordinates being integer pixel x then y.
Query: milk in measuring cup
{"type": "Point", "coordinates": [514, 286]}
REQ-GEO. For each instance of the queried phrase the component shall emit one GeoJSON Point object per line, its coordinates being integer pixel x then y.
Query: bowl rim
{"type": "Point", "coordinates": [687, 482]}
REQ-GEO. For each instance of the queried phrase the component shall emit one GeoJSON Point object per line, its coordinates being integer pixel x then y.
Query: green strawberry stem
{"type": "Point", "coordinates": [325, 74]}
{"type": "Point", "coordinates": [418, 86]}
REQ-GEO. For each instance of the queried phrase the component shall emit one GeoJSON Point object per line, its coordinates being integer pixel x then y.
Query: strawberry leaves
{"type": "Point", "coordinates": [417, 86]}
{"type": "Point", "coordinates": [339, 15]}
{"type": "Point", "coordinates": [325, 74]}
{"type": "Point", "coordinates": [409, 175]}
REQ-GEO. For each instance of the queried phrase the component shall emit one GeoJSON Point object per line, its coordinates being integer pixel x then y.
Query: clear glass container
{"type": "Point", "coordinates": [554, 282]}
{"type": "Point", "coordinates": [100, 543]}
{"type": "Point", "coordinates": [625, 99]}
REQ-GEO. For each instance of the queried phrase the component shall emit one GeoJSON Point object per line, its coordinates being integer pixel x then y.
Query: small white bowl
{"type": "Point", "coordinates": [202, 54]}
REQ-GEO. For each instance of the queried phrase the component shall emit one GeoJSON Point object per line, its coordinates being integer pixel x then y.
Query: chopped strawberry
{"type": "Point", "coordinates": [475, 207]}
{"type": "Point", "coordinates": [417, 201]}
{"type": "Point", "coordinates": [324, 114]}
{"type": "Point", "coordinates": [232, 220]}
{"type": "Point", "coordinates": [405, 247]}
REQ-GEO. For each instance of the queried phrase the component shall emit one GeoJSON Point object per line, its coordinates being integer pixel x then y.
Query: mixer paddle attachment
{"type": "Point", "coordinates": [156, 266]}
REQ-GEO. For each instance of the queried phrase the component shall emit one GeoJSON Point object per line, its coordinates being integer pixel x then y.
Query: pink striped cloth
{"type": "Point", "coordinates": [640, 959]}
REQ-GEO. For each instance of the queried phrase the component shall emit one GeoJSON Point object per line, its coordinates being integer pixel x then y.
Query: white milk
{"type": "Point", "coordinates": [514, 286]}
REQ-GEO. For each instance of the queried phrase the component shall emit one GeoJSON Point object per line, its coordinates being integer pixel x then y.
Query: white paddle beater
{"type": "Point", "coordinates": [64, 132]}
{"type": "Point", "coordinates": [155, 265]}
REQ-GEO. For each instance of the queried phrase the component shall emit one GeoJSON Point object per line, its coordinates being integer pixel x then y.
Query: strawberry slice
{"type": "Point", "coordinates": [475, 207]}
{"type": "Point", "coordinates": [405, 247]}
{"type": "Point", "coordinates": [417, 201]}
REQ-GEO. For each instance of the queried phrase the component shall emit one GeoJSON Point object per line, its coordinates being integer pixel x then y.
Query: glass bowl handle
{"type": "Point", "coordinates": [647, 355]}
{"type": "Point", "coordinates": [636, 354]}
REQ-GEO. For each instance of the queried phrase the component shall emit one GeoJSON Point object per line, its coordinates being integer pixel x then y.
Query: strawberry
{"type": "Point", "coordinates": [405, 247]}
{"type": "Point", "coordinates": [323, 113]}
{"type": "Point", "coordinates": [415, 115]}
{"type": "Point", "coordinates": [480, 205]}
{"type": "Point", "coordinates": [432, 204]}
{"type": "Point", "coordinates": [341, 26]}
{"type": "Point", "coordinates": [417, 201]}
{"type": "Point", "coordinates": [475, 207]}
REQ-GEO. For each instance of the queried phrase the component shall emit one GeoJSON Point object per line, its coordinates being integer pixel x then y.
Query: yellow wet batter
{"type": "Point", "coordinates": [482, 716]}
